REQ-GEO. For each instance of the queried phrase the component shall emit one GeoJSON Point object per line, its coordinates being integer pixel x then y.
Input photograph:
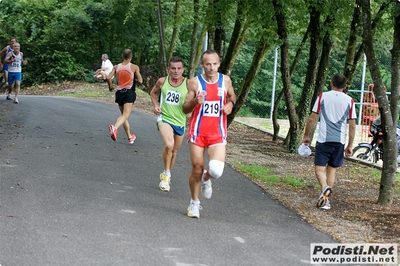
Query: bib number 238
{"type": "Point", "coordinates": [211, 108]}
{"type": "Point", "coordinates": [173, 97]}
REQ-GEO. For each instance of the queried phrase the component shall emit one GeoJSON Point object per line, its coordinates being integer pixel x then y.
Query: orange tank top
{"type": "Point", "coordinates": [125, 76]}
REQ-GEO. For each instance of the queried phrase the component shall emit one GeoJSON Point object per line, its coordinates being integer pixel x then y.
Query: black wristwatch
{"type": "Point", "coordinates": [233, 102]}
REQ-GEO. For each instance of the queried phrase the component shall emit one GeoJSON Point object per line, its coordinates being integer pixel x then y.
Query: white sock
{"type": "Point", "coordinates": [195, 201]}
{"type": "Point", "coordinates": [167, 172]}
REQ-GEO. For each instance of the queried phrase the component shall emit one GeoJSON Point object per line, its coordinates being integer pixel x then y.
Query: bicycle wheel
{"type": "Point", "coordinates": [365, 154]}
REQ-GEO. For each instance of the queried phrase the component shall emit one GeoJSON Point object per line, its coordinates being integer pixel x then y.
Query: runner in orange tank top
{"type": "Point", "coordinates": [125, 95]}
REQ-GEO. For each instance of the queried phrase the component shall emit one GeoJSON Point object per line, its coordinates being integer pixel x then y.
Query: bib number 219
{"type": "Point", "coordinates": [211, 108]}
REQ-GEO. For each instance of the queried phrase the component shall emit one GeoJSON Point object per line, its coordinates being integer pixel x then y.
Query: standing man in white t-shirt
{"type": "Point", "coordinates": [334, 109]}
{"type": "Point", "coordinates": [106, 67]}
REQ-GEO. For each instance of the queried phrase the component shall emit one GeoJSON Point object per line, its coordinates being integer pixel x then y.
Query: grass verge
{"type": "Point", "coordinates": [266, 175]}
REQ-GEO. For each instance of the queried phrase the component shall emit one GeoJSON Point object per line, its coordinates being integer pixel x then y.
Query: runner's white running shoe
{"type": "Point", "coordinates": [194, 209]}
{"type": "Point", "coordinates": [327, 206]}
{"type": "Point", "coordinates": [164, 183]}
{"type": "Point", "coordinates": [323, 196]}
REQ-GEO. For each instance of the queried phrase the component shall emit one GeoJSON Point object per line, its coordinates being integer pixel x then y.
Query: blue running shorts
{"type": "Point", "coordinates": [14, 76]}
{"type": "Point", "coordinates": [329, 153]}
{"type": "Point", "coordinates": [178, 130]}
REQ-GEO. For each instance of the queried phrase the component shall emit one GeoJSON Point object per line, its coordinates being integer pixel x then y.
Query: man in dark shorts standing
{"type": "Point", "coordinates": [125, 95]}
{"type": "Point", "coordinates": [334, 109]}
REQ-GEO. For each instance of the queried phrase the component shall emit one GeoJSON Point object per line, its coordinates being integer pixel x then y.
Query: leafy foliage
{"type": "Point", "coordinates": [64, 39]}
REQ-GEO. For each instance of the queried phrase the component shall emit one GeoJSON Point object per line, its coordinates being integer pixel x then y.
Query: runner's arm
{"type": "Point", "coordinates": [154, 95]}
{"type": "Point", "coordinates": [352, 133]}
{"type": "Point", "coordinates": [312, 119]}
{"type": "Point", "coordinates": [8, 60]}
{"type": "Point", "coordinates": [23, 61]}
{"type": "Point", "coordinates": [230, 93]}
{"type": "Point", "coordinates": [136, 70]}
{"type": "Point", "coordinates": [192, 98]}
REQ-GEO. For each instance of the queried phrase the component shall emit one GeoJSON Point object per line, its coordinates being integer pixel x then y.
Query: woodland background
{"type": "Point", "coordinates": [64, 39]}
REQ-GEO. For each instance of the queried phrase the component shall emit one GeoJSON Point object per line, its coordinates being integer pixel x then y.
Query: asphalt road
{"type": "Point", "coordinates": [72, 196]}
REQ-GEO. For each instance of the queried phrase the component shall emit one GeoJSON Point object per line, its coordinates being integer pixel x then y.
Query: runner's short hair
{"type": "Point", "coordinates": [209, 51]}
{"type": "Point", "coordinates": [127, 54]}
{"type": "Point", "coordinates": [176, 59]}
{"type": "Point", "coordinates": [339, 81]}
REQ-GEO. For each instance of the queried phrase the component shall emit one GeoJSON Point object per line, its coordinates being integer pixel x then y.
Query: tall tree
{"type": "Point", "coordinates": [281, 93]}
{"type": "Point", "coordinates": [261, 49]}
{"type": "Point", "coordinates": [239, 34]}
{"type": "Point", "coordinates": [263, 34]}
{"type": "Point", "coordinates": [219, 30]}
{"type": "Point", "coordinates": [313, 55]}
{"type": "Point", "coordinates": [175, 30]}
{"type": "Point", "coordinates": [389, 114]}
{"type": "Point", "coordinates": [286, 77]}
{"type": "Point", "coordinates": [163, 56]}
{"type": "Point", "coordinates": [196, 41]}
{"type": "Point", "coordinates": [353, 57]}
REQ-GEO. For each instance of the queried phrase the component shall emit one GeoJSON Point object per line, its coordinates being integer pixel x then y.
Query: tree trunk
{"type": "Point", "coordinates": [193, 40]}
{"type": "Point", "coordinates": [352, 62]}
{"type": "Point", "coordinates": [386, 190]}
{"type": "Point", "coordinates": [306, 96]}
{"type": "Point", "coordinates": [163, 58]}
{"type": "Point", "coordinates": [219, 34]}
{"type": "Point", "coordinates": [210, 26]}
{"type": "Point", "coordinates": [238, 36]}
{"type": "Point", "coordinates": [244, 90]}
{"type": "Point", "coordinates": [286, 78]}
{"type": "Point", "coordinates": [175, 30]}
{"type": "Point", "coordinates": [327, 46]}
{"type": "Point", "coordinates": [278, 100]}
{"type": "Point", "coordinates": [275, 116]}
{"type": "Point", "coordinates": [199, 49]}
{"type": "Point", "coordinates": [349, 67]}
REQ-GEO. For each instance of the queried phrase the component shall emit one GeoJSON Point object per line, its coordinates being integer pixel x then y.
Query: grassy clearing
{"type": "Point", "coordinates": [96, 91]}
{"type": "Point", "coordinates": [85, 94]}
{"type": "Point", "coordinates": [266, 175]}
{"type": "Point", "coordinates": [294, 182]}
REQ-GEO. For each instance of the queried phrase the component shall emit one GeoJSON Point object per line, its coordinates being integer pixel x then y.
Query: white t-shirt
{"type": "Point", "coordinates": [108, 65]}
{"type": "Point", "coordinates": [15, 66]}
{"type": "Point", "coordinates": [334, 109]}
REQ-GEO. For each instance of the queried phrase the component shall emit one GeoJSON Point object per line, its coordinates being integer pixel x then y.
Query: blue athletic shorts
{"type": "Point", "coordinates": [125, 96]}
{"type": "Point", "coordinates": [329, 153]}
{"type": "Point", "coordinates": [5, 67]}
{"type": "Point", "coordinates": [14, 76]}
{"type": "Point", "coordinates": [178, 130]}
